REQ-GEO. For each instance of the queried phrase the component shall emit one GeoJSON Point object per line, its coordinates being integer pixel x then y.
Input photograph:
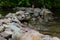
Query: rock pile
{"type": "Point", "coordinates": [42, 14]}
{"type": "Point", "coordinates": [11, 27]}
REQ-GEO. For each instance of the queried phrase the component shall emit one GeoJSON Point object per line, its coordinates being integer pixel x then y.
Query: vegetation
{"type": "Point", "coordinates": [41, 3]}
{"type": "Point", "coordinates": [10, 4]}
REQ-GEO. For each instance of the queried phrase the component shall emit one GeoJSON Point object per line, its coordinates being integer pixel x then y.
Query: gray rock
{"type": "Point", "coordinates": [27, 15]}
{"type": "Point", "coordinates": [20, 15]}
{"type": "Point", "coordinates": [30, 10]}
{"type": "Point", "coordinates": [47, 37]}
{"type": "Point", "coordinates": [1, 28]}
{"type": "Point", "coordinates": [6, 34]}
{"type": "Point", "coordinates": [55, 38]}
{"type": "Point", "coordinates": [19, 8]}
{"type": "Point", "coordinates": [9, 15]}
{"type": "Point", "coordinates": [37, 11]}
{"type": "Point", "coordinates": [45, 11]}
{"type": "Point", "coordinates": [1, 38]}
{"type": "Point", "coordinates": [46, 14]}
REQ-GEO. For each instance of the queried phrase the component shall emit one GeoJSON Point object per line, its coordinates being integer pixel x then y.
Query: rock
{"type": "Point", "coordinates": [1, 28]}
{"type": "Point", "coordinates": [12, 28]}
{"type": "Point", "coordinates": [27, 15]}
{"type": "Point", "coordinates": [0, 22]}
{"type": "Point", "coordinates": [20, 12]}
{"type": "Point", "coordinates": [9, 15]}
{"type": "Point", "coordinates": [5, 21]}
{"type": "Point", "coordinates": [1, 38]}
{"type": "Point", "coordinates": [10, 39]}
{"type": "Point", "coordinates": [19, 8]}
{"type": "Point", "coordinates": [6, 34]}
{"type": "Point", "coordinates": [14, 19]}
{"type": "Point", "coordinates": [46, 37]}
{"type": "Point", "coordinates": [29, 10]}
{"type": "Point", "coordinates": [20, 15]}
{"type": "Point", "coordinates": [31, 35]}
{"type": "Point", "coordinates": [55, 38]}
{"type": "Point", "coordinates": [37, 11]}
{"type": "Point", "coordinates": [27, 34]}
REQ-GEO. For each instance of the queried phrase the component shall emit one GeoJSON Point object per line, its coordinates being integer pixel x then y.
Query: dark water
{"type": "Point", "coordinates": [53, 29]}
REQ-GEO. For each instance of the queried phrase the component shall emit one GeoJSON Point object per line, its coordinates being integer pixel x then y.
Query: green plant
{"type": "Point", "coordinates": [24, 3]}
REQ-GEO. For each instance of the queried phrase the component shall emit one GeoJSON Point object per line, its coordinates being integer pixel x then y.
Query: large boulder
{"type": "Point", "coordinates": [27, 34]}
